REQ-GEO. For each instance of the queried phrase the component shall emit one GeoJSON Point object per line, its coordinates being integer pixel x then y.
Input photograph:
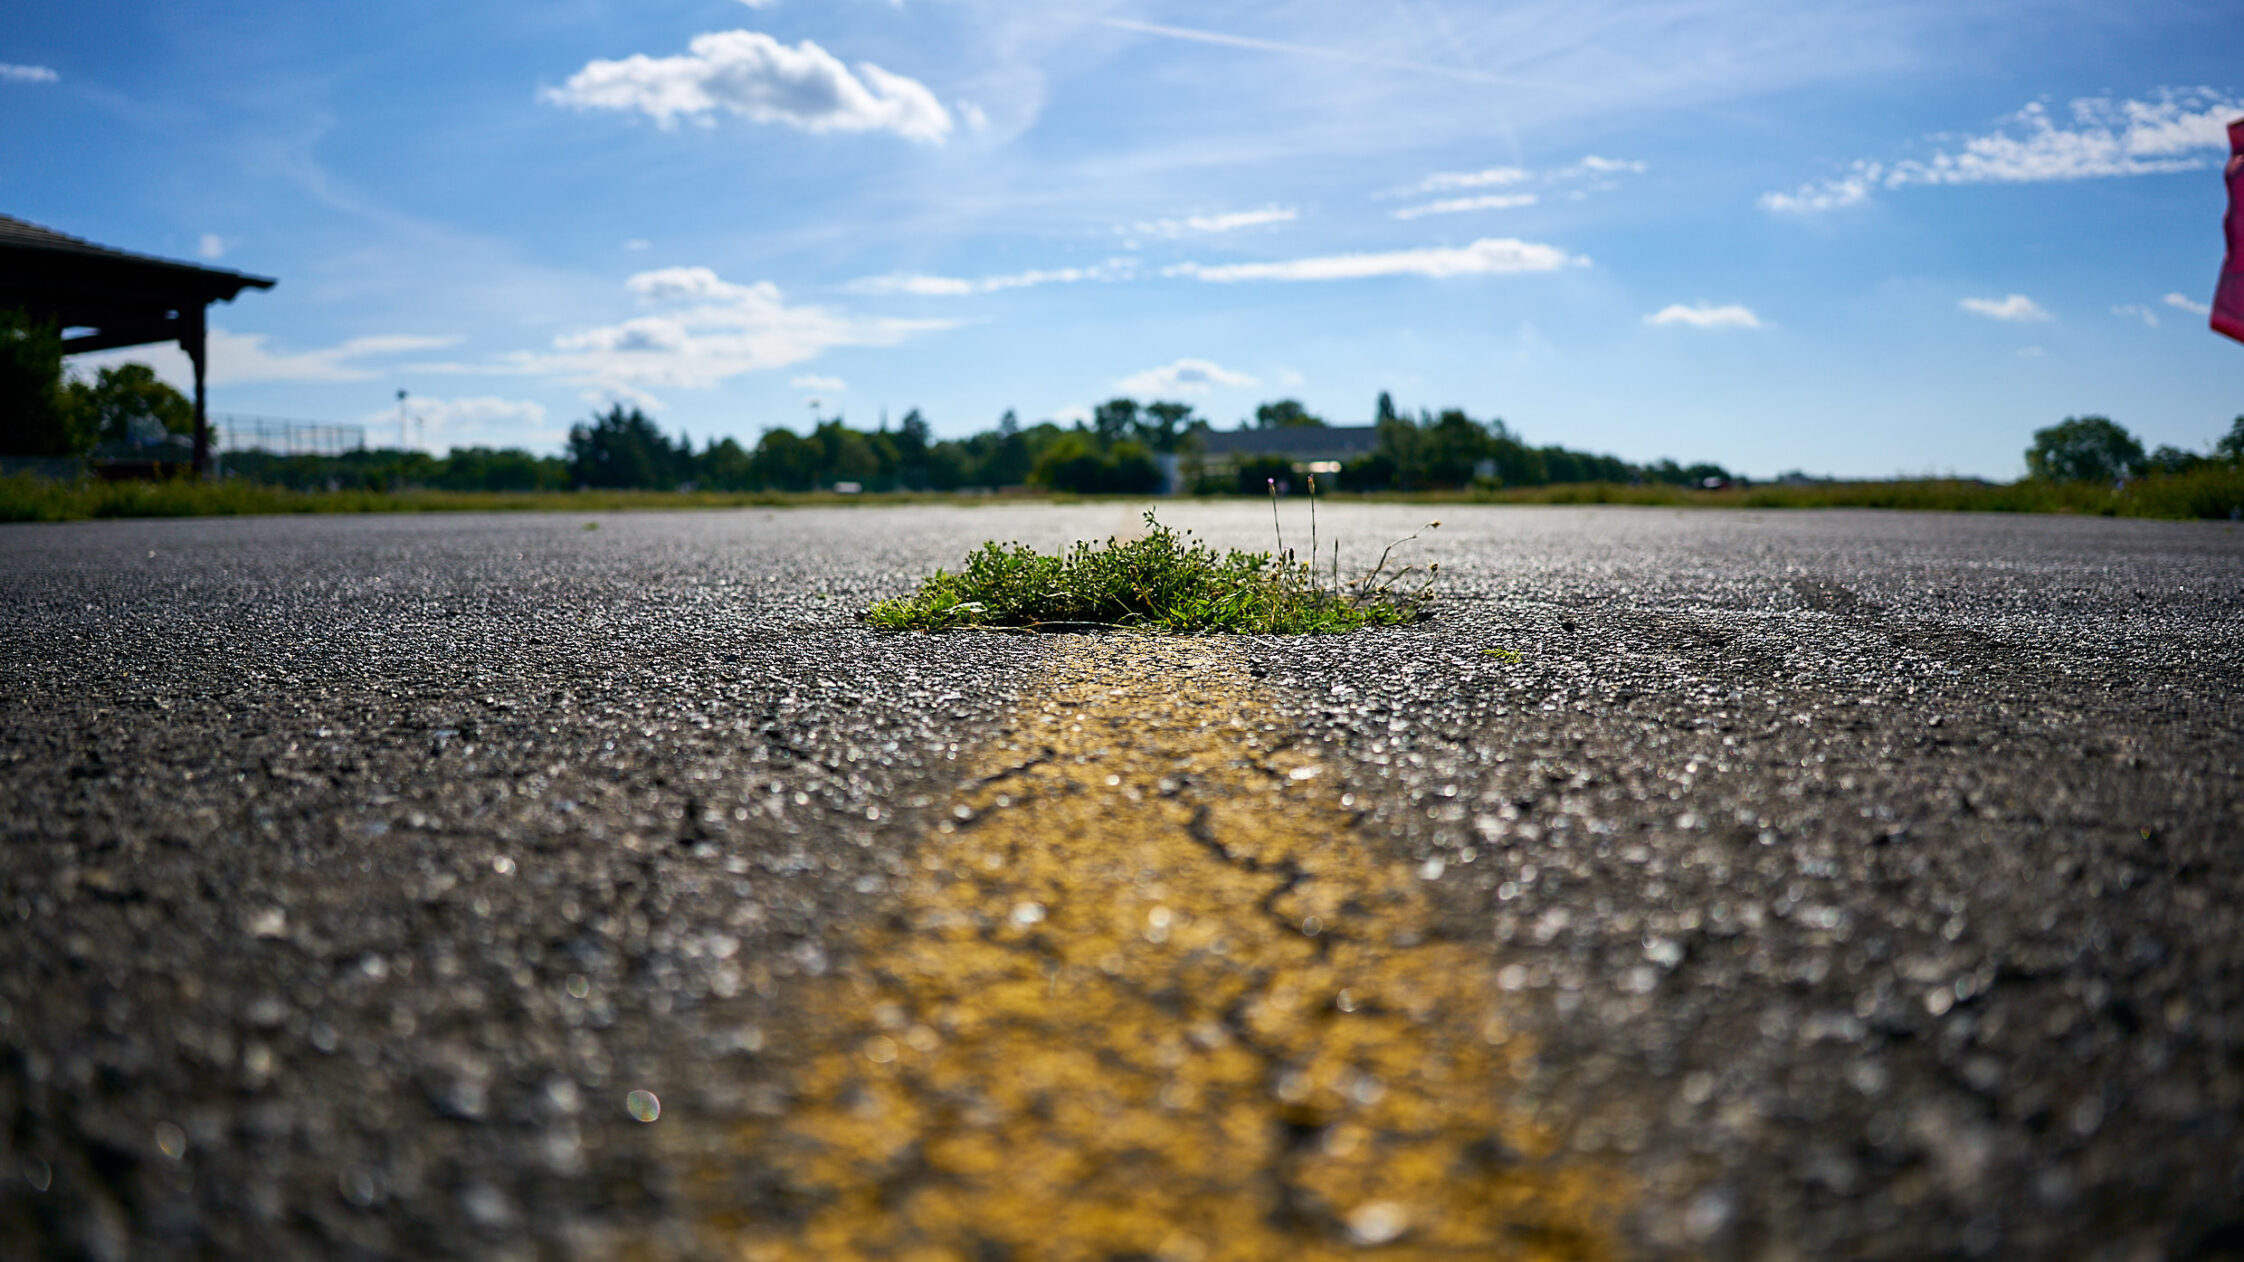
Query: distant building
{"type": "Point", "coordinates": [1308, 449]}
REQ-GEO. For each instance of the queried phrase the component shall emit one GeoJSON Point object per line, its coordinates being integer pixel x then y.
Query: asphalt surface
{"type": "Point", "coordinates": [1866, 884]}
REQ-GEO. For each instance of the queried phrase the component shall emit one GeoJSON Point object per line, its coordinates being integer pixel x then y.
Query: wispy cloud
{"type": "Point", "coordinates": [1185, 376]}
{"type": "Point", "coordinates": [1594, 165]}
{"type": "Point", "coordinates": [2183, 302]}
{"type": "Point", "coordinates": [238, 358]}
{"type": "Point", "coordinates": [2176, 130]}
{"type": "Point", "coordinates": [812, 381]}
{"type": "Point", "coordinates": [11, 73]}
{"type": "Point", "coordinates": [756, 76]}
{"type": "Point", "coordinates": [212, 246]}
{"type": "Point", "coordinates": [1226, 40]}
{"type": "Point", "coordinates": [1487, 256]}
{"type": "Point", "coordinates": [1191, 225]}
{"type": "Point", "coordinates": [2136, 311]}
{"type": "Point", "coordinates": [1459, 205]}
{"type": "Point", "coordinates": [1706, 316]}
{"type": "Point", "coordinates": [1444, 181]}
{"type": "Point", "coordinates": [710, 331]}
{"type": "Point", "coordinates": [1588, 172]}
{"type": "Point", "coordinates": [924, 286]}
{"type": "Point", "coordinates": [2017, 308]}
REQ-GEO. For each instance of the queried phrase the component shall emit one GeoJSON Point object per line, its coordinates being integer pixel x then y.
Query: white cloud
{"type": "Point", "coordinates": [480, 421]}
{"type": "Point", "coordinates": [917, 285]}
{"type": "Point", "coordinates": [212, 246]}
{"type": "Point", "coordinates": [637, 243]}
{"type": "Point", "coordinates": [2183, 302]}
{"type": "Point", "coordinates": [237, 358]}
{"type": "Point", "coordinates": [924, 286]}
{"type": "Point", "coordinates": [1487, 256]}
{"type": "Point", "coordinates": [1851, 189]}
{"type": "Point", "coordinates": [1201, 224]}
{"type": "Point", "coordinates": [2178, 130]}
{"type": "Point", "coordinates": [812, 381]}
{"type": "Point", "coordinates": [1594, 165]}
{"type": "Point", "coordinates": [2016, 308]}
{"type": "Point", "coordinates": [759, 4]}
{"type": "Point", "coordinates": [754, 75]}
{"type": "Point", "coordinates": [1444, 181]}
{"type": "Point", "coordinates": [1706, 316]}
{"type": "Point", "coordinates": [975, 117]}
{"type": "Point", "coordinates": [2032, 352]}
{"type": "Point", "coordinates": [710, 330]}
{"type": "Point", "coordinates": [1458, 205]}
{"type": "Point", "coordinates": [1495, 177]}
{"type": "Point", "coordinates": [241, 358]}
{"type": "Point", "coordinates": [2136, 311]}
{"type": "Point", "coordinates": [1185, 376]}
{"type": "Point", "coordinates": [26, 74]}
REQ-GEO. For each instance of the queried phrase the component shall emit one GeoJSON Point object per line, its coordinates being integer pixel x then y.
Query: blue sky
{"type": "Point", "coordinates": [1855, 239]}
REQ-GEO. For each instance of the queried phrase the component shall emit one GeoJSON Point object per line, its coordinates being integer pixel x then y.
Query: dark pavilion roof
{"type": "Point", "coordinates": [129, 298]}
{"type": "Point", "coordinates": [39, 259]}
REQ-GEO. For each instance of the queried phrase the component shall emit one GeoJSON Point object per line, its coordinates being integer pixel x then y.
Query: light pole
{"type": "Point", "coordinates": [401, 420]}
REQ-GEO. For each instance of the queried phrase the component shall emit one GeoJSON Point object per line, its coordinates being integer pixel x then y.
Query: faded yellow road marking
{"type": "Point", "coordinates": [1150, 997]}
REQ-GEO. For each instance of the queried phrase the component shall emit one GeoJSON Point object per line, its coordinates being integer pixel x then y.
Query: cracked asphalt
{"type": "Point", "coordinates": [1865, 885]}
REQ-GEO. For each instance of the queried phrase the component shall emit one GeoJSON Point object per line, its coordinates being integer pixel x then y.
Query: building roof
{"type": "Point", "coordinates": [40, 267]}
{"type": "Point", "coordinates": [1328, 442]}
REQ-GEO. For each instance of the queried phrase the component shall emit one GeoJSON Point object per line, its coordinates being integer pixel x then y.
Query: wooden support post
{"type": "Point", "coordinates": [191, 340]}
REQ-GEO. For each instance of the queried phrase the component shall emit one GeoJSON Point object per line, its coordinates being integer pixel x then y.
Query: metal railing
{"type": "Point", "coordinates": [284, 437]}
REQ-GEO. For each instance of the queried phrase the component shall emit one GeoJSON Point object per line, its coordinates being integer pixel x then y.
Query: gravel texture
{"type": "Point", "coordinates": [1868, 880]}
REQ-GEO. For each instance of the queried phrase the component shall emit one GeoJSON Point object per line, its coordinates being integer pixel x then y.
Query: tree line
{"type": "Point", "coordinates": [2099, 449]}
{"type": "Point", "coordinates": [126, 411]}
{"type": "Point", "coordinates": [1114, 452]}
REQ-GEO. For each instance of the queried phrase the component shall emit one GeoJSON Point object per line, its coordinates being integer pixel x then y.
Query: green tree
{"type": "Point", "coordinates": [913, 434]}
{"type": "Point", "coordinates": [726, 466]}
{"type": "Point", "coordinates": [2084, 449]}
{"type": "Point", "coordinates": [1008, 458]}
{"type": "Point", "coordinates": [1455, 444]}
{"type": "Point", "coordinates": [129, 404]}
{"type": "Point", "coordinates": [36, 418]}
{"type": "Point", "coordinates": [498, 469]}
{"type": "Point", "coordinates": [1076, 461]}
{"type": "Point", "coordinates": [1286, 414]}
{"type": "Point", "coordinates": [1115, 420]}
{"type": "Point", "coordinates": [1165, 425]}
{"type": "Point", "coordinates": [2231, 445]}
{"type": "Point", "coordinates": [622, 449]}
{"type": "Point", "coordinates": [787, 460]}
{"type": "Point", "coordinates": [2169, 459]}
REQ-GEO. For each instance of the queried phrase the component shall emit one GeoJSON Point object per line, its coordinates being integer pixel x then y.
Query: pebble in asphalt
{"type": "Point", "coordinates": [1866, 883]}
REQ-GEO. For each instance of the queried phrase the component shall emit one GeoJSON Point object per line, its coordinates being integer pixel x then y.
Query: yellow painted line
{"type": "Point", "coordinates": [1150, 996]}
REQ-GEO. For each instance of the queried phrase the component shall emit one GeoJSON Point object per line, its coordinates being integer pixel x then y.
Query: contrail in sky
{"type": "Point", "coordinates": [1308, 50]}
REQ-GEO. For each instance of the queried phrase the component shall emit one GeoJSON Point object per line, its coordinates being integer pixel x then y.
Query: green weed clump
{"type": "Point", "coordinates": [1162, 581]}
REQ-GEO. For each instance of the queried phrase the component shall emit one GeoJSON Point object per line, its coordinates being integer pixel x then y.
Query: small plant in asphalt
{"type": "Point", "coordinates": [1163, 581]}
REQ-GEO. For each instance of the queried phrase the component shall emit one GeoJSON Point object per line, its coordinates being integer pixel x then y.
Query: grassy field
{"type": "Point", "coordinates": [2215, 492]}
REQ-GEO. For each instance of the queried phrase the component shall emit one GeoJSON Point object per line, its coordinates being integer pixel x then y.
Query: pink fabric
{"type": "Point", "coordinates": [2228, 299]}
